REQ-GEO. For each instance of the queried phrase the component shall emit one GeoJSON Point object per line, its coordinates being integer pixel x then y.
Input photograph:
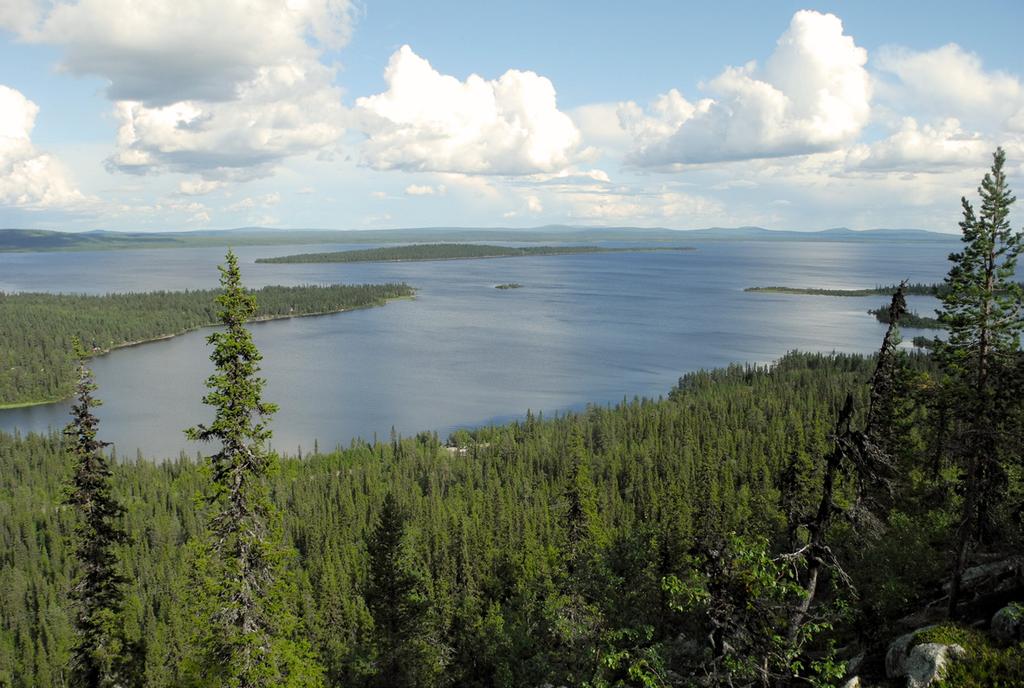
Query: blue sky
{"type": "Point", "coordinates": [175, 115]}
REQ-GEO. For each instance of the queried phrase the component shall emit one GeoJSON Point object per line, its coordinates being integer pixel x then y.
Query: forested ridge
{"type": "Point", "coordinates": [414, 252]}
{"type": "Point", "coordinates": [36, 329]}
{"type": "Point", "coordinates": [827, 520]}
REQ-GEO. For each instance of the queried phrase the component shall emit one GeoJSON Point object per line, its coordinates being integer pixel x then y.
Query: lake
{"type": "Point", "coordinates": [583, 329]}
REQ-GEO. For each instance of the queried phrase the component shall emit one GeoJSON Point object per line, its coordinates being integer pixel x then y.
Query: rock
{"type": "Point", "coordinates": [853, 683]}
{"type": "Point", "coordinates": [1003, 574]}
{"type": "Point", "coordinates": [896, 655]}
{"type": "Point", "coordinates": [1008, 624]}
{"type": "Point", "coordinates": [927, 663]}
{"type": "Point", "coordinates": [854, 664]}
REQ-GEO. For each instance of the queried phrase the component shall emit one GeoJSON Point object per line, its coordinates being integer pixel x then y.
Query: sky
{"type": "Point", "coordinates": [160, 115]}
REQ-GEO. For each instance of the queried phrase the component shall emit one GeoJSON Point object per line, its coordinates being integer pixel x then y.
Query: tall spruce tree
{"type": "Point", "coordinates": [578, 621]}
{"type": "Point", "coordinates": [406, 655]}
{"type": "Point", "coordinates": [101, 656]}
{"type": "Point", "coordinates": [982, 306]}
{"type": "Point", "coordinates": [252, 636]}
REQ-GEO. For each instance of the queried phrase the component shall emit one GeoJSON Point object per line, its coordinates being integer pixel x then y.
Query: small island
{"type": "Point", "coordinates": [509, 285]}
{"type": "Point", "coordinates": [425, 252]}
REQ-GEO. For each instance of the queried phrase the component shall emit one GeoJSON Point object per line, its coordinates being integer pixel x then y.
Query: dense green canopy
{"type": "Point", "coordinates": [36, 329]}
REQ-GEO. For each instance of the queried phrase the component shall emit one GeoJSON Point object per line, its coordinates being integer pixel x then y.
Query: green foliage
{"type": "Point", "coordinates": [744, 598]}
{"type": "Point", "coordinates": [415, 252]}
{"type": "Point", "coordinates": [36, 329]}
{"type": "Point", "coordinates": [252, 641]}
{"type": "Point", "coordinates": [485, 532]}
{"type": "Point", "coordinates": [984, 665]}
{"type": "Point", "coordinates": [485, 536]}
{"type": "Point", "coordinates": [407, 653]}
{"type": "Point", "coordinates": [983, 309]}
{"type": "Point", "coordinates": [912, 320]}
{"type": "Point", "coordinates": [101, 655]}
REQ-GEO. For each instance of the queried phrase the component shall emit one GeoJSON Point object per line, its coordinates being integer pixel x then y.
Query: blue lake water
{"type": "Point", "coordinates": [583, 329]}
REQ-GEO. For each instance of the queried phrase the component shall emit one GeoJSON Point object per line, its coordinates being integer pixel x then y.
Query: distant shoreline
{"type": "Point", "coordinates": [40, 241]}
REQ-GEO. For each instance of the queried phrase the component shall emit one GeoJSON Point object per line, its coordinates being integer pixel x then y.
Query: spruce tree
{"type": "Point", "coordinates": [582, 526]}
{"type": "Point", "coordinates": [406, 656]}
{"type": "Point", "coordinates": [101, 656]}
{"type": "Point", "coordinates": [252, 635]}
{"type": "Point", "coordinates": [982, 306]}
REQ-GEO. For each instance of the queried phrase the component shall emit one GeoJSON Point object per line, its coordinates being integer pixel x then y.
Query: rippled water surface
{"type": "Point", "coordinates": [583, 329]}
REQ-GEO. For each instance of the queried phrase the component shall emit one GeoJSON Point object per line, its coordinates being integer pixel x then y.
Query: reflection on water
{"type": "Point", "coordinates": [584, 328]}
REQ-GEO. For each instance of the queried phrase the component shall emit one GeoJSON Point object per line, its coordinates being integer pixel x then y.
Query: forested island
{"type": "Point", "coordinates": [509, 285]}
{"type": "Point", "coordinates": [35, 328]}
{"type": "Point", "coordinates": [421, 252]}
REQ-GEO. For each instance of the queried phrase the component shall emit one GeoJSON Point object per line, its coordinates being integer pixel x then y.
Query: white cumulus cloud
{"type": "Point", "coordinates": [924, 148]}
{"type": "Point", "coordinates": [812, 94]}
{"type": "Point", "coordinates": [224, 89]}
{"type": "Point", "coordinates": [952, 82]}
{"type": "Point", "coordinates": [428, 121]}
{"type": "Point", "coordinates": [160, 52]}
{"type": "Point", "coordinates": [29, 178]}
{"type": "Point", "coordinates": [288, 109]}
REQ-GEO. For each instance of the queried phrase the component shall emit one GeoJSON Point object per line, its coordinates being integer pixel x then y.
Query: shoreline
{"type": "Point", "coordinates": [164, 337]}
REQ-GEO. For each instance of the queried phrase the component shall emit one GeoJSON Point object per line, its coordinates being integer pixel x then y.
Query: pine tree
{"type": "Point", "coordinates": [406, 657]}
{"type": "Point", "coordinates": [252, 630]}
{"type": "Point", "coordinates": [102, 656]}
{"type": "Point", "coordinates": [982, 306]}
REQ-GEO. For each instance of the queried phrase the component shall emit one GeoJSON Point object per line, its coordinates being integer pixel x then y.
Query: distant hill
{"type": "Point", "coordinates": [46, 240]}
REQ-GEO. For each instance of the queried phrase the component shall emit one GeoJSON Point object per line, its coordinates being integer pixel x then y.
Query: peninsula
{"type": "Point", "coordinates": [36, 329]}
{"type": "Point", "coordinates": [914, 289]}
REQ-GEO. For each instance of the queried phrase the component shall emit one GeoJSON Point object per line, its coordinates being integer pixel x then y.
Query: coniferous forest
{"type": "Point", "coordinates": [759, 526]}
{"type": "Point", "coordinates": [35, 329]}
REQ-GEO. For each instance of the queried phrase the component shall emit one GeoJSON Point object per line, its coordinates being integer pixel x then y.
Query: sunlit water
{"type": "Point", "coordinates": [583, 329]}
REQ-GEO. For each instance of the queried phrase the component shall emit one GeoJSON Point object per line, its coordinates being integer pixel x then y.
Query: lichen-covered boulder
{"type": "Point", "coordinates": [899, 650]}
{"type": "Point", "coordinates": [927, 663]}
{"type": "Point", "coordinates": [1008, 624]}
